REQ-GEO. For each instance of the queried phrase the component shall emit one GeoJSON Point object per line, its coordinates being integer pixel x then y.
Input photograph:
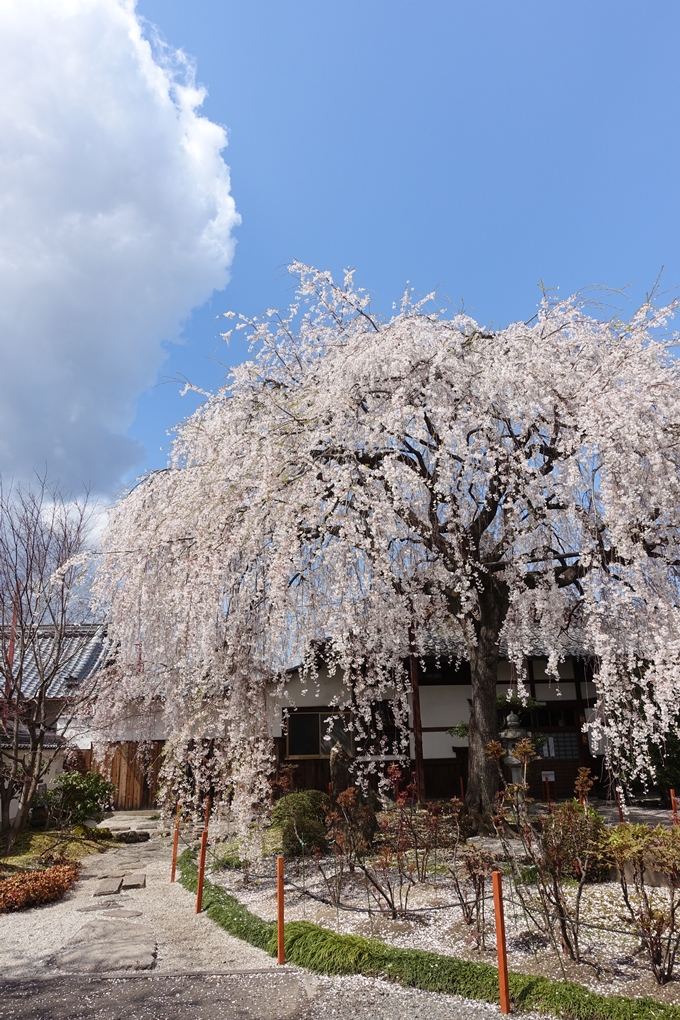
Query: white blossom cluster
{"type": "Point", "coordinates": [362, 480]}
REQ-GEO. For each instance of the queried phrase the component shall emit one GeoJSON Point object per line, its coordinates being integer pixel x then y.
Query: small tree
{"type": "Point", "coordinates": [74, 798]}
{"type": "Point", "coordinates": [46, 622]}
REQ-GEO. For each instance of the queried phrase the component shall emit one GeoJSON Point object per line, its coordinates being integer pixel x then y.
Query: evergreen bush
{"type": "Point", "coordinates": [73, 797]}
{"type": "Point", "coordinates": [302, 820]}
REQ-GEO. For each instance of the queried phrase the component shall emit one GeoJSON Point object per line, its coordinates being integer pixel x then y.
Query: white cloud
{"type": "Point", "coordinates": [116, 221]}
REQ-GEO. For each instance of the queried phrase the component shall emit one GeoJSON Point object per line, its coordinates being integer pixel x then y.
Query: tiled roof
{"type": "Point", "coordinates": [84, 651]}
{"type": "Point", "coordinates": [51, 740]}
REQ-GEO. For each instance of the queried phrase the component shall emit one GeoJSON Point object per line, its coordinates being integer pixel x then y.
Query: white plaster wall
{"type": "Point", "coordinates": [565, 669]}
{"type": "Point", "coordinates": [439, 745]}
{"type": "Point", "coordinates": [274, 717]}
{"type": "Point", "coordinates": [56, 766]}
{"type": "Point", "coordinates": [137, 725]}
{"type": "Point", "coordinates": [444, 706]}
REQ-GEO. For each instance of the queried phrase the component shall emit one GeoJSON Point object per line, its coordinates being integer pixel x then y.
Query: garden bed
{"type": "Point", "coordinates": [611, 962]}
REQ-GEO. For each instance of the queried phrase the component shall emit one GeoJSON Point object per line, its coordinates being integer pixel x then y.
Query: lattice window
{"type": "Point", "coordinates": [560, 745]}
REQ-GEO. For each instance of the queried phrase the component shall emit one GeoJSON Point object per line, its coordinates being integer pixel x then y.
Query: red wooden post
{"type": "Point", "coordinates": [280, 945]}
{"type": "Point", "coordinates": [618, 802]}
{"type": "Point", "coordinates": [462, 789]}
{"type": "Point", "coordinates": [201, 860]}
{"type": "Point", "coordinates": [175, 844]}
{"type": "Point", "coordinates": [547, 792]}
{"type": "Point", "coordinates": [674, 806]}
{"type": "Point", "coordinates": [500, 942]}
{"type": "Point", "coordinates": [201, 871]}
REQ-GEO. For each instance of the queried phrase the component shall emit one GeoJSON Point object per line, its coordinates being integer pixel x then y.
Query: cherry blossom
{"type": "Point", "coordinates": [493, 492]}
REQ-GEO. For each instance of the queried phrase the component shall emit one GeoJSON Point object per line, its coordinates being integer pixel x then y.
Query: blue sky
{"type": "Point", "coordinates": [478, 147]}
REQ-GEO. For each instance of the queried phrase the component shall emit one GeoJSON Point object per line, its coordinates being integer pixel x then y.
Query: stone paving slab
{"type": "Point", "coordinates": [104, 905]}
{"type": "Point", "coordinates": [108, 887]}
{"type": "Point", "coordinates": [137, 880]}
{"type": "Point", "coordinates": [108, 945]}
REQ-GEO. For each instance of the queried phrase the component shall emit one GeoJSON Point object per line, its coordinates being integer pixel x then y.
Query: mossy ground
{"type": "Point", "coordinates": [33, 847]}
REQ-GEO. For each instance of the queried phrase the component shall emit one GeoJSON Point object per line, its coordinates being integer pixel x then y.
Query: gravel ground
{"type": "Point", "coordinates": [200, 971]}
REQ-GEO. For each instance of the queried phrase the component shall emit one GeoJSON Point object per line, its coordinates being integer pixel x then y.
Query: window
{"type": "Point", "coordinates": [560, 745]}
{"type": "Point", "coordinates": [314, 734]}
{"type": "Point", "coordinates": [554, 715]}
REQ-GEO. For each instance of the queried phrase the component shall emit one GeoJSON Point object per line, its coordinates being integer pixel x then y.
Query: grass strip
{"type": "Point", "coordinates": [327, 952]}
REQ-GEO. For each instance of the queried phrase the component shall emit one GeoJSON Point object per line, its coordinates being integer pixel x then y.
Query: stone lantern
{"type": "Point", "coordinates": [509, 737]}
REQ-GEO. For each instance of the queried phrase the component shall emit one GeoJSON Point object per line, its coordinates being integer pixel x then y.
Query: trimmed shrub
{"type": "Point", "coordinates": [575, 843]}
{"type": "Point", "coordinates": [30, 888]}
{"type": "Point", "coordinates": [654, 913]}
{"type": "Point", "coordinates": [302, 820]}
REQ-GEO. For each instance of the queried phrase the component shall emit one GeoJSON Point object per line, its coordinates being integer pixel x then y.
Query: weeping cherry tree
{"type": "Point", "coordinates": [389, 487]}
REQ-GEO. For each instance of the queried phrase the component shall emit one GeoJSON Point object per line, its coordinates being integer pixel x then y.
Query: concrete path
{"type": "Point", "coordinates": [282, 995]}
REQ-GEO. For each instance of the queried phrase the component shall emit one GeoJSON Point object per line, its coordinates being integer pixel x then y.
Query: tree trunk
{"type": "Point", "coordinates": [417, 729]}
{"type": "Point", "coordinates": [5, 802]}
{"type": "Point", "coordinates": [25, 803]}
{"type": "Point", "coordinates": [483, 778]}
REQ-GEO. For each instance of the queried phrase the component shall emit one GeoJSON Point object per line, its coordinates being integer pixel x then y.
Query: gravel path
{"type": "Point", "coordinates": [185, 941]}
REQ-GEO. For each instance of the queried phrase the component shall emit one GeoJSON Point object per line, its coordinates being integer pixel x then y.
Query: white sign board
{"type": "Point", "coordinates": [550, 776]}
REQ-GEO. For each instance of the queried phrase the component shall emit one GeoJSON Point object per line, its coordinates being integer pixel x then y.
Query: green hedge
{"type": "Point", "coordinates": [327, 952]}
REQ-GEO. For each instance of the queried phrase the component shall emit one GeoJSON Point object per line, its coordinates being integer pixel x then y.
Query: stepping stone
{"type": "Point", "coordinates": [108, 945]}
{"type": "Point", "coordinates": [116, 904]}
{"type": "Point", "coordinates": [135, 881]}
{"type": "Point", "coordinates": [108, 887]}
{"type": "Point", "coordinates": [122, 913]}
